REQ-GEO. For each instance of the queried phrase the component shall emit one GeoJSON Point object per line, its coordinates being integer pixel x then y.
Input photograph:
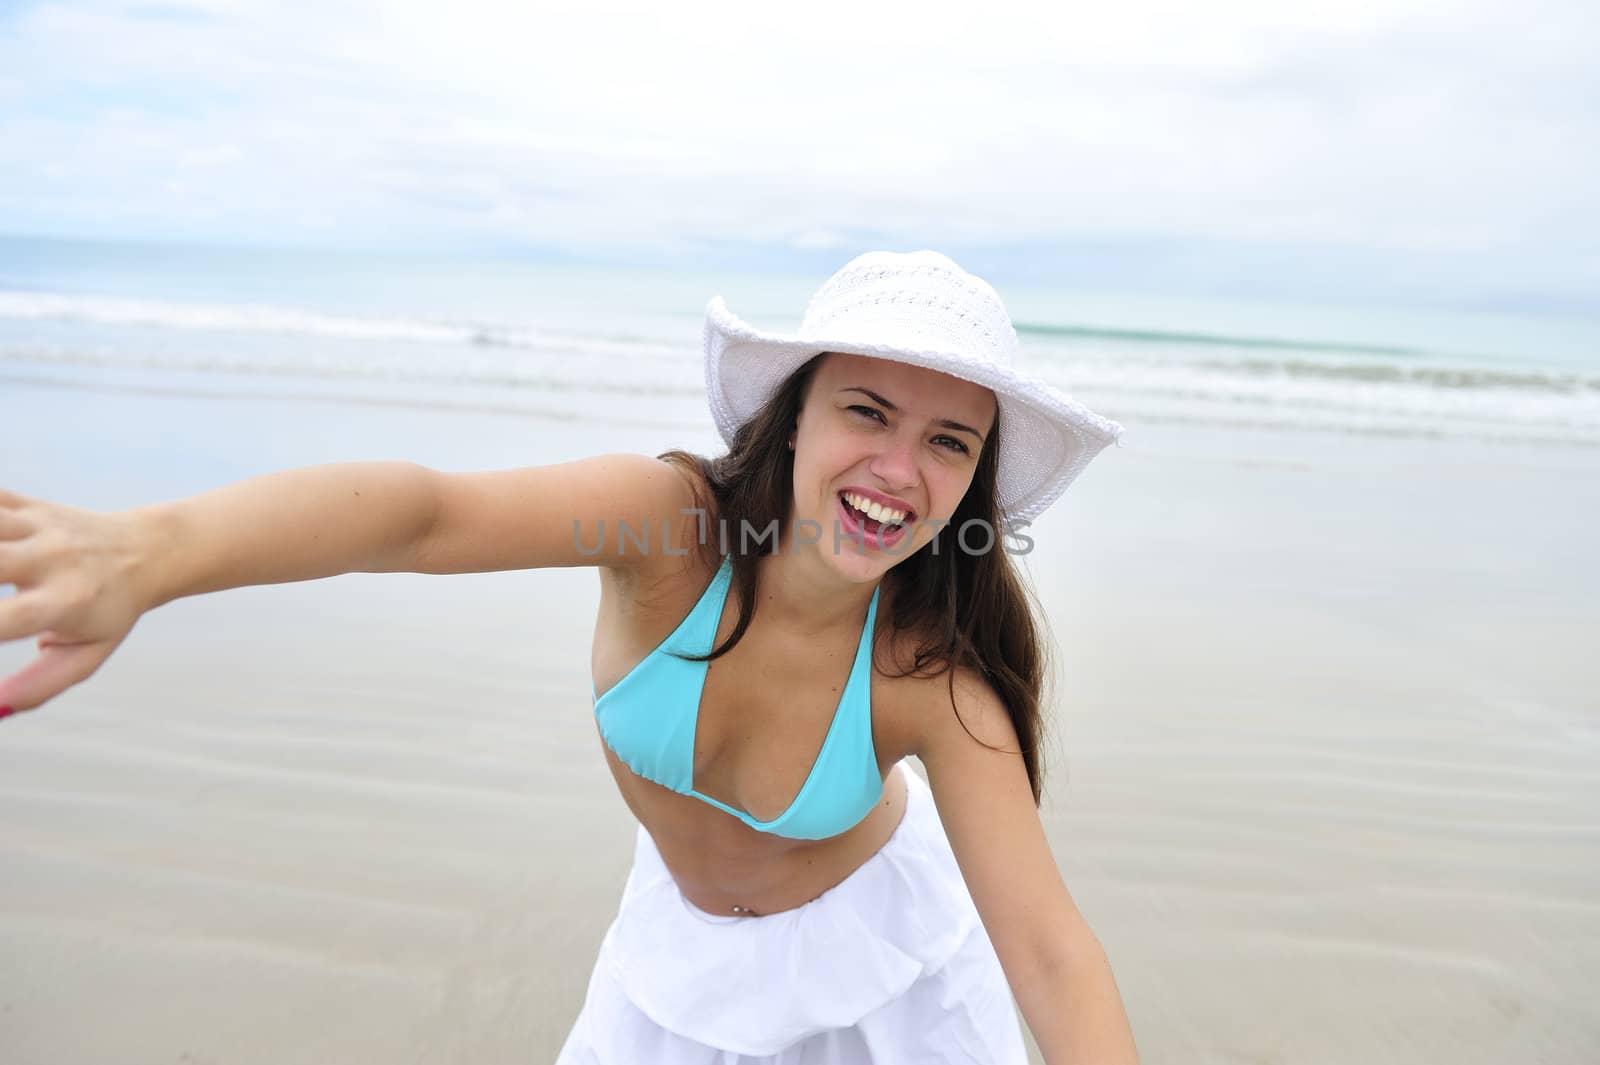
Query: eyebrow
{"type": "Point", "coordinates": [943, 422]}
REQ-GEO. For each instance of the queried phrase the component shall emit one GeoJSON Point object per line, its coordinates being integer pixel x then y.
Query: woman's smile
{"type": "Point", "coordinates": [875, 533]}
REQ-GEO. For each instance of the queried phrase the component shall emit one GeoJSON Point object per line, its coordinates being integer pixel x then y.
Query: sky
{"type": "Point", "coordinates": [1441, 151]}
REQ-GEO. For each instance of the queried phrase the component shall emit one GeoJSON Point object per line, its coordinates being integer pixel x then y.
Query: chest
{"type": "Point", "coordinates": [765, 709]}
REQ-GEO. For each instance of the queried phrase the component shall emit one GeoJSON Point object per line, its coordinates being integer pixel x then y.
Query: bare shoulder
{"type": "Point", "coordinates": [928, 710]}
{"type": "Point", "coordinates": [960, 713]}
{"type": "Point", "coordinates": [672, 541]}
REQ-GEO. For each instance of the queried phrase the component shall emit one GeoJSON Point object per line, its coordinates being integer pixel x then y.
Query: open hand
{"type": "Point", "coordinates": [77, 578]}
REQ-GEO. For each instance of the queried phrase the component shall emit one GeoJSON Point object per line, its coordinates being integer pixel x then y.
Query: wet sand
{"type": "Point", "coordinates": [1323, 773]}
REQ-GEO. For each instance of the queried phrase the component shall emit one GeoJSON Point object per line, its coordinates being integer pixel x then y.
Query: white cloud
{"type": "Point", "coordinates": [1414, 127]}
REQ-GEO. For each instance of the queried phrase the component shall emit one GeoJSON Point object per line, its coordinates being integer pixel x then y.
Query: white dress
{"type": "Point", "coordinates": [891, 966]}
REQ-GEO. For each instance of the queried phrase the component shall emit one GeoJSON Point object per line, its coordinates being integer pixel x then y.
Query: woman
{"type": "Point", "coordinates": [778, 629]}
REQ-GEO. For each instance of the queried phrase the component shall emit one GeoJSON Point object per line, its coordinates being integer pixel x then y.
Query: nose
{"type": "Point", "coordinates": [896, 461]}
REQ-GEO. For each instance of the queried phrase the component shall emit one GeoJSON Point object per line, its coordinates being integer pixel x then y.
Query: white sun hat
{"type": "Point", "coordinates": [923, 309]}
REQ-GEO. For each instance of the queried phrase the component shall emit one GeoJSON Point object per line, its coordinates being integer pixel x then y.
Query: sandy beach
{"type": "Point", "coordinates": [1323, 770]}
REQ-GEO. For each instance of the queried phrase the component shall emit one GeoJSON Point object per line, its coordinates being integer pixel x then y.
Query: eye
{"type": "Point", "coordinates": [951, 444]}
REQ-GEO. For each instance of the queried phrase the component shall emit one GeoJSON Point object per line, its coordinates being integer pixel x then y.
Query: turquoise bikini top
{"type": "Point", "coordinates": [648, 718]}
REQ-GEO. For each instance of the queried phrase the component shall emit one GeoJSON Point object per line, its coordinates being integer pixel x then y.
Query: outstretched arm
{"type": "Point", "coordinates": [291, 525]}
{"type": "Point", "coordinates": [1055, 965]}
{"type": "Point", "coordinates": [84, 577]}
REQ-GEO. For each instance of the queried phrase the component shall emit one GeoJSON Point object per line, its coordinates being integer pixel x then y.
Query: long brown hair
{"type": "Point", "coordinates": [971, 606]}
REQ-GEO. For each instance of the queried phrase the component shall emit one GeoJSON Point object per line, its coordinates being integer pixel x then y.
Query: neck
{"type": "Point", "coordinates": [803, 589]}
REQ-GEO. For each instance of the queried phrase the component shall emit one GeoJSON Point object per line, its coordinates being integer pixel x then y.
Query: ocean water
{"type": "Point", "coordinates": [612, 344]}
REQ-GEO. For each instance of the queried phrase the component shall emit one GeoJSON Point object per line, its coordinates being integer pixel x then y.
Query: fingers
{"type": "Point", "coordinates": [69, 570]}
{"type": "Point", "coordinates": [14, 565]}
{"type": "Point", "coordinates": [58, 667]}
{"type": "Point", "coordinates": [26, 613]}
{"type": "Point", "coordinates": [15, 522]}
{"type": "Point", "coordinates": [16, 544]}
{"type": "Point", "coordinates": [14, 519]}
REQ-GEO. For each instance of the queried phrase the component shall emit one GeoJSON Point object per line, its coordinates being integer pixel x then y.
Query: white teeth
{"type": "Point", "coordinates": [873, 510]}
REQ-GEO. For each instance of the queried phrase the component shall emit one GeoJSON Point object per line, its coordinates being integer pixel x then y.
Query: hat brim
{"type": "Point", "coordinates": [1046, 437]}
